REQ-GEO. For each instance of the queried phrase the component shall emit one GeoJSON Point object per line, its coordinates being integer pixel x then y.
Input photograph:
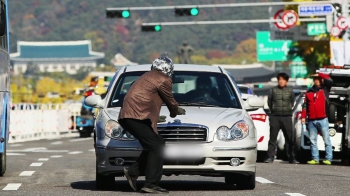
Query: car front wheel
{"type": "Point", "coordinates": [243, 182]}
{"type": "Point", "coordinates": [104, 182]}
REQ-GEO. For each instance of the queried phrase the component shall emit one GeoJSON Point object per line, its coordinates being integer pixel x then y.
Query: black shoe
{"type": "Point", "coordinates": [131, 179]}
{"type": "Point", "coordinates": [154, 189]}
{"type": "Point", "coordinates": [268, 160]}
{"type": "Point", "coordinates": [293, 161]}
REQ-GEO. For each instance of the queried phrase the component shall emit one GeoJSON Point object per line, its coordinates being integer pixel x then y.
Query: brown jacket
{"type": "Point", "coordinates": [146, 96]}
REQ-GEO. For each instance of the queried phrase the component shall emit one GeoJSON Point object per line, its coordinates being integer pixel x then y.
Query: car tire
{"type": "Point", "coordinates": [243, 182]}
{"type": "Point", "coordinates": [104, 182]}
{"type": "Point", "coordinates": [303, 156]}
{"type": "Point", "coordinates": [3, 162]}
{"type": "Point", "coordinates": [332, 113]}
{"type": "Point", "coordinates": [261, 156]}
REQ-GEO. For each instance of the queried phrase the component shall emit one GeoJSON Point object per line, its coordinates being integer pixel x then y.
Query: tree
{"type": "Point", "coordinates": [32, 70]}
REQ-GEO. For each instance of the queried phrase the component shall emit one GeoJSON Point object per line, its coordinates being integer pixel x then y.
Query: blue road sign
{"type": "Point", "coordinates": [315, 10]}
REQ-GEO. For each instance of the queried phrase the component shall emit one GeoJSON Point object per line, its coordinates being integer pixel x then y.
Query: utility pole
{"type": "Point", "coordinates": [345, 9]}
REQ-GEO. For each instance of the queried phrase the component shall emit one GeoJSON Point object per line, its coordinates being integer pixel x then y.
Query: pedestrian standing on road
{"type": "Point", "coordinates": [315, 107]}
{"type": "Point", "coordinates": [280, 102]}
{"type": "Point", "coordinates": [139, 116]}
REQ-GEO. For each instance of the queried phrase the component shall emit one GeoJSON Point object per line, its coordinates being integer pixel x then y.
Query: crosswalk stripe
{"type": "Point", "coordinates": [263, 180]}
{"type": "Point", "coordinates": [27, 173]}
{"type": "Point", "coordinates": [12, 186]}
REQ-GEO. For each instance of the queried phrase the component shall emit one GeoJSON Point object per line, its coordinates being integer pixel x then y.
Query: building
{"type": "Point", "coordinates": [119, 61]}
{"type": "Point", "coordinates": [68, 56]}
{"type": "Point", "coordinates": [252, 73]}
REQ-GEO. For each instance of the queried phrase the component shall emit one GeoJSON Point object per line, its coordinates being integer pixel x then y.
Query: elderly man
{"type": "Point", "coordinates": [139, 116]}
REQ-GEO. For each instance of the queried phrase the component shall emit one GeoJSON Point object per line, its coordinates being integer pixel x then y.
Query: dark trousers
{"type": "Point", "coordinates": [284, 123]}
{"type": "Point", "coordinates": [150, 162]}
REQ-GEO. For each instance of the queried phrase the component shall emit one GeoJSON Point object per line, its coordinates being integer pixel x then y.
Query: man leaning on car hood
{"type": "Point", "coordinates": [139, 115]}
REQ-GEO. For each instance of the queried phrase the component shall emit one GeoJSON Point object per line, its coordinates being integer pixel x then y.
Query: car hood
{"type": "Point", "coordinates": [212, 117]}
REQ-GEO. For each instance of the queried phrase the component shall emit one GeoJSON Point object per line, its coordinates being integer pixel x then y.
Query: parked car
{"type": "Point", "coordinates": [216, 137]}
{"type": "Point", "coordinates": [262, 124]}
{"type": "Point", "coordinates": [85, 122]}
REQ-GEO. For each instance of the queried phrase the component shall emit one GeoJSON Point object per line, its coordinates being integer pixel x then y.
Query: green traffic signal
{"type": "Point", "coordinates": [260, 85]}
{"type": "Point", "coordinates": [157, 28]}
{"type": "Point", "coordinates": [126, 14]}
{"type": "Point", "coordinates": [186, 11]}
{"type": "Point", "coordinates": [194, 11]}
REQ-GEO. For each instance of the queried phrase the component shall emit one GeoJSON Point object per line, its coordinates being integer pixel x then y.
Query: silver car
{"type": "Point", "coordinates": [216, 137]}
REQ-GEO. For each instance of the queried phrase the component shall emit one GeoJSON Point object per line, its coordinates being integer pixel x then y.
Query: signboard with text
{"type": "Point", "coordinates": [270, 50]}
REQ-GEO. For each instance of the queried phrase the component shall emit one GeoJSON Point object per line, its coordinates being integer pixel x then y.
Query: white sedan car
{"type": "Point", "coordinates": [216, 137]}
{"type": "Point", "coordinates": [262, 124]}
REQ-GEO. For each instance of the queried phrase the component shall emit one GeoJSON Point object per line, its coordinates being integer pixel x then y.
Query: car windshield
{"type": "Point", "coordinates": [190, 88]}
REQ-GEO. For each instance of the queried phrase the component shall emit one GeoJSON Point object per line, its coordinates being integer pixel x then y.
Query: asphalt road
{"type": "Point", "coordinates": [67, 167]}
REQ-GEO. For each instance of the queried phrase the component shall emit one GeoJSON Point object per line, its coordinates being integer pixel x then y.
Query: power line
{"type": "Point", "coordinates": [257, 4]}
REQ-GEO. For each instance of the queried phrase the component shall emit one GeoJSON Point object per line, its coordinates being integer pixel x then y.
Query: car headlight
{"type": "Point", "coordinates": [238, 131]}
{"type": "Point", "coordinates": [115, 131]}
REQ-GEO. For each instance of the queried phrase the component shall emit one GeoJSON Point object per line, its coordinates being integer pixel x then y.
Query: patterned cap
{"type": "Point", "coordinates": [164, 64]}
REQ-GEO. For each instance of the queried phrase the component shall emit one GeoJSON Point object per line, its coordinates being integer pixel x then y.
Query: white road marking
{"type": "Point", "coordinates": [14, 154]}
{"type": "Point", "coordinates": [37, 164]}
{"type": "Point", "coordinates": [75, 152]}
{"type": "Point", "coordinates": [12, 187]}
{"type": "Point", "coordinates": [16, 145]}
{"type": "Point", "coordinates": [263, 180]}
{"type": "Point", "coordinates": [43, 159]}
{"type": "Point", "coordinates": [27, 173]}
{"type": "Point", "coordinates": [80, 139]}
{"type": "Point", "coordinates": [39, 149]}
{"type": "Point", "coordinates": [56, 156]}
{"type": "Point", "coordinates": [92, 150]}
{"type": "Point", "coordinates": [57, 143]}
{"type": "Point", "coordinates": [295, 194]}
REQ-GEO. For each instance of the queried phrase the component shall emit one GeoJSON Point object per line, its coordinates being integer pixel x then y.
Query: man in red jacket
{"type": "Point", "coordinates": [316, 109]}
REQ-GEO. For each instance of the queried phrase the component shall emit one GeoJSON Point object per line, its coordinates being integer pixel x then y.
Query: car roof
{"type": "Point", "coordinates": [177, 67]}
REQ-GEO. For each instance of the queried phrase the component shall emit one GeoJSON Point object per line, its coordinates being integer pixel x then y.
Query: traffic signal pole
{"type": "Point", "coordinates": [227, 5]}
{"type": "Point", "coordinates": [228, 22]}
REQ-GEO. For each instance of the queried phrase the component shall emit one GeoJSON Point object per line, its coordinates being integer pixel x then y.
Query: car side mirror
{"type": "Point", "coordinates": [94, 101]}
{"type": "Point", "coordinates": [254, 102]}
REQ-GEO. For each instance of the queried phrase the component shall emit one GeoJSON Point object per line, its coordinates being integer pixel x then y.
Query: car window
{"type": "Point", "coordinates": [189, 88]}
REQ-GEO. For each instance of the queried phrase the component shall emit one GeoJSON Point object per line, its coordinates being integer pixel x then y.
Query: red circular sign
{"type": "Point", "coordinates": [290, 18]}
{"type": "Point", "coordinates": [342, 23]}
{"type": "Point", "coordinates": [335, 31]}
{"type": "Point", "coordinates": [280, 24]}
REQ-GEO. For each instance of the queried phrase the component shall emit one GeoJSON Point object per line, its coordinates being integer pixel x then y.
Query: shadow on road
{"type": "Point", "coordinates": [172, 185]}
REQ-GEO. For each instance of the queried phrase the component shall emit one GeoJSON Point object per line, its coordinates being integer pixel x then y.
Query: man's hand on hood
{"type": "Point", "coordinates": [181, 111]}
{"type": "Point", "coordinates": [161, 119]}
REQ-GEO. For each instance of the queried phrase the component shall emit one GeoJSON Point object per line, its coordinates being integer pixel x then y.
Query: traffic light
{"type": "Point", "coordinates": [152, 28]}
{"type": "Point", "coordinates": [337, 9]}
{"type": "Point", "coordinates": [260, 85]}
{"type": "Point", "coordinates": [117, 13]}
{"type": "Point", "coordinates": [186, 11]}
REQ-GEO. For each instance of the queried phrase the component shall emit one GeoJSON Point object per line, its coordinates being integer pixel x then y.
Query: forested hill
{"type": "Point", "coordinates": [61, 20]}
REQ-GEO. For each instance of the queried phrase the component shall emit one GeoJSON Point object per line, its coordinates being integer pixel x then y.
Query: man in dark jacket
{"type": "Point", "coordinates": [316, 109]}
{"type": "Point", "coordinates": [139, 116]}
{"type": "Point", "coordinates": [280, 101]}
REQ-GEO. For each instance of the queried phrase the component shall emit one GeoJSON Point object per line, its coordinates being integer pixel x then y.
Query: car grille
{"type": "Point", "coordinates": [183, 134]}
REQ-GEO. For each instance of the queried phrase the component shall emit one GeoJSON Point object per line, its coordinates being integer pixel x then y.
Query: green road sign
{"type": "Point", "coordinates": [316, 28]}
{"type": "Point", "coordinates": [298, 71]}
{"type": "Point", "coordinates": [271, 50]}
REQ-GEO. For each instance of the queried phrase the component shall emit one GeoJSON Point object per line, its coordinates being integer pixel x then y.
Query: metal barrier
{"type": "Point", "coordinates": [42, 121]}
